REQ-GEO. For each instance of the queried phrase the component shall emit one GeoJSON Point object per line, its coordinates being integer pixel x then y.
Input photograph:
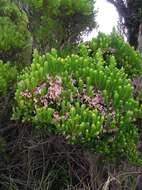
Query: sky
{"type": "Point", "coordinates": [107, 18]}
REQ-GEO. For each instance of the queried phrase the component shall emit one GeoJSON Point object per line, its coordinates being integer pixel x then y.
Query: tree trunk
{"type": "Point", "coordinates": [129, 10]}
{"type": "Point", "coordinates": [133, 32]}
{"type": "Point", "coordinates": [140, 39]}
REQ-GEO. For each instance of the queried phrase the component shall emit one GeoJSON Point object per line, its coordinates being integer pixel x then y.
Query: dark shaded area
{"type": "Point", "coordinates": [34, 159]}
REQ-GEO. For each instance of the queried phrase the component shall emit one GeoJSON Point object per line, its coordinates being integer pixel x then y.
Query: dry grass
{"type": "Point", "coordinates": [36, 160]}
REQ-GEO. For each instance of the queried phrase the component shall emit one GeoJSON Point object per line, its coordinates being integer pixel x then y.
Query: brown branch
{"type": "Point", "coordinates": [5, 129]}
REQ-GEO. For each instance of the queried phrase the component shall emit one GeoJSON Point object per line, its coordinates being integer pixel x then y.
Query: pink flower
{"type": "Point", "coordinates": [39, 89]}
{"type": "Point", "coordinates": [96, 101]}
{"type": "Point", "coordinates": [26, 94]}
{"type": "Point", "coordinates": [44, 101]}
{"type": "Point", "coordinates": [54, 89]}
{"type": "Point", "coordinates": [113, 114]}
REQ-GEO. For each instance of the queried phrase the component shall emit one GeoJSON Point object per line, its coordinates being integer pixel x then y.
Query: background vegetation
{"type": "Point", "coordinates": [70, 117]}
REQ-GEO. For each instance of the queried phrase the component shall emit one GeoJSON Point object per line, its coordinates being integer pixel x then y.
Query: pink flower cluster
{"type": "Point", "coordinates": [54, 91]}
{"type": "Point", "coordinates": [39, 89]}
{"type": "Point", "coordinates": [54, 88]}
{"type": "Point", "coordinates": [57, 117]}
{"type": "Point", "coordinates": [97, 102]}
{"type": "Point", "coordinates": [26, 94]}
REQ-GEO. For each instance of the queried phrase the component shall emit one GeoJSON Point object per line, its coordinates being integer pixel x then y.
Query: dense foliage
{"type": "Point", "coordinates": [126, 58]}
{"type": "Point", "coordinates": [113, 44]}
{"type": "Point", "coordinates": [8, 76]}
{"type": "Point", "coordinates": [58, 23]}
{"type": "Point", "coordinates": [89, 102]}
{"type": "Point", "coordinates": [15, 41]}
{"type": "Point", "coordinates": [71, 110]}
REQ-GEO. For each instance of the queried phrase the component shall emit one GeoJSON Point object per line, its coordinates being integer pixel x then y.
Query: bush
{"type": "Point", "coordinates": [7, 77]}
{"type": "Point", "coordinates": [113, 44]}
{"type": "Point", "coordinates": [15, 39]}
{"type": "Point", "coordinates": [86, 100]}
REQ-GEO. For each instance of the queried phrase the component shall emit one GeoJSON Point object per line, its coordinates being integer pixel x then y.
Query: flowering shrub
{"type": "Point", "coordinates": [114, 44]}
{"type": "Point", "coordinates": [7, 77]}
{"type": "Point", "coordinates": [86, 100]}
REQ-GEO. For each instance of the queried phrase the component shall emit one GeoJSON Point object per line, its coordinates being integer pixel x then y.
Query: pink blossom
{"type": "Point", "coordinates": [113, 114]}
{"type": "Point", "coordinates": [39, 89]}
{"type": "Point", "coordinates": [54, 89]}
{"type": "Point", "coordinates": [96, 101]}
{"type": "Point", "coordinates": [44, 101]}
{"type": "Point", "coordinates": [26, 94]}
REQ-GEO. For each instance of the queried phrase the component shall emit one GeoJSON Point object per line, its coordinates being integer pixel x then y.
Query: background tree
{"type": "Point", "coordinates": [15, 39]}
{"type": "Point", "coordinates": [58, 23]}
{"type": "Point", "coordinates": [130, 12]}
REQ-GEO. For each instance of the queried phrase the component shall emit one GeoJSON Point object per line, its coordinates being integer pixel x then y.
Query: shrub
{"type": "Point", "coordinates": [7, 77]}
{"type": "Point", "coordinates": [86, 100]}
{"type": "Point", "coordinates": [113, 44]}
{"type": "Point", "coordinates": [15, 40]}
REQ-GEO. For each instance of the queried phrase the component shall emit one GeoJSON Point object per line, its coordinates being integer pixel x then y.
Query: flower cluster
{"type": "Point", "coordinates": [26, 94]}
{"type": "Point", "coordinates": [55, 88]}
{"type": "Point", "coordinates": [39, 89]}
{"type": "Point", "coordinates": [46, 93]}
{"type": "Point", "coordinates": [97, 102]}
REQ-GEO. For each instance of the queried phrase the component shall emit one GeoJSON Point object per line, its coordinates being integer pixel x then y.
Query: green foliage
{"type": "Point", "coordinates": [113, 44]}
{"type": "Point", "coordinates": [10, 37]}
{"type": "Point", "coordinates": [8, 75]}
{"type": "Point", "coordinates": [14, 35]}
{"type": "Point", "coordinates": [59, 23]}
{"type": "Point", "coordinates": [86, 100]}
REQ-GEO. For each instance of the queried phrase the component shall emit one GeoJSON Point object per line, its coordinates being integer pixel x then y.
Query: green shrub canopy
{"type": "Point", "coordinates": [59, 23]}
{"type": "Point", "coordinates": [113, 44]}
{"type": "Point", "coordinates": [8, 75]}
{"type": "Point", "coordinates": [86, 100]}
{"type": "Point", "coordinates": [15, 38]}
